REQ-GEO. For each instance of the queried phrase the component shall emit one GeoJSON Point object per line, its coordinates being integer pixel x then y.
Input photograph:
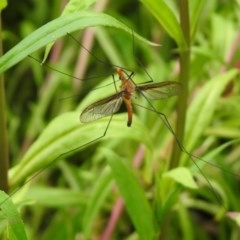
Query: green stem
{"type": "Point", "coordinates": [3, 130]}
{"type": "Point", "coordinates": [184, 79]}
{"type": "Point", "coordinates": [182, 101]}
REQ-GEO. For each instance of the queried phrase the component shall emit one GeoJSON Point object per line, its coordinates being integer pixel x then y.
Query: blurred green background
{"type": "Point", "coordinates": [123, 186]}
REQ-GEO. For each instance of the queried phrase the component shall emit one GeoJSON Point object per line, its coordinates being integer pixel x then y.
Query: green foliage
{"type": "Point", "coordinates": [3, 4]}
{"type": "Point", "coordinates": [11, 219]}
{"type": "Point", "coordinates": [167, 18]}
{"type": "Point", "coordinates": [133, 195]}
{"type": "Point", "coordinates": [73, 180]}
{"type": "Point", "coordinates": [55, 29]}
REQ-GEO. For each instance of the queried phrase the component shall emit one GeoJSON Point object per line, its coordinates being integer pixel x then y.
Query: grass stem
{"type": "Point", "coordinates": [184, 79]}
{"type": "Point", "coordinates": [3, 130]}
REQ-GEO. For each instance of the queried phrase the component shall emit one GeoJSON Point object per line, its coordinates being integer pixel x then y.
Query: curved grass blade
{"type": "Point", "coordinates": [98, 196]}
{"type": "Point", "coordinates": [64, 136]}
{"type": "Point", "coordinates": [166, 17]}
{"type": "Point", "coordinates": [71, 7]}
{"type": "Point", "coordinates": [57, 28]}
{"type": "Point", "coordinates": [135, 200]}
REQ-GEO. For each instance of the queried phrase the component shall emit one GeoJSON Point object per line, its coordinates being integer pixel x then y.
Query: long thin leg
{"type": "Point", "coordinates": [183, 149]}
{"type": "Point", "coordinates": [63, 155]}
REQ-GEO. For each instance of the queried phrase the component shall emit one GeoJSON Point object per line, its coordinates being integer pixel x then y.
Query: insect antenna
{"type": "Point", "coordinates": [66, 74]}
{"type": "Point", "coordinates": [96, 57]}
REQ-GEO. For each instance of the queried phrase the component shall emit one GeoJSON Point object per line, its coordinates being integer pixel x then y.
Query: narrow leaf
{"type": "Point", "coordinates": [10, 219]}
{"type": "Point", "coordinates": [58, 28]}
{"type": "Point", "coordinates": [202, 108]}
{"type": "Point", "coordinates": [166, 17]}
{"type": "Point", "coordinates": [135, 200]}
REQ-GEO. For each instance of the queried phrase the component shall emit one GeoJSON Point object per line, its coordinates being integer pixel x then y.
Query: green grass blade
{"type": "Point", "coordinates": [71, 7]}
{"type": "Point", "coordinates": [10, 219]}
{"type": "Point", "coordinates": [135, 200]}
{"type": "Point", "coordinates": [58, 28]}
{"type": "Point", "coordinates": [202, 108]}
{"type": "Point", "coordinates": [166, 17]}
{"type": "Point", "coordinates": [64, 134]}
{"type": "Point", "coordinates": [98, 198]}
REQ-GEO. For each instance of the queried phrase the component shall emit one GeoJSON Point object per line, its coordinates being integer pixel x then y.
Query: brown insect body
{"type": "Point", "coordinates": [128, 89]}
{"type": "Point", "coordinates": [109, 105]}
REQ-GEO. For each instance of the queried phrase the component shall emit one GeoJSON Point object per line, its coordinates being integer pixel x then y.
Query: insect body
{"type": "Point", "coordinates": [108, 106]}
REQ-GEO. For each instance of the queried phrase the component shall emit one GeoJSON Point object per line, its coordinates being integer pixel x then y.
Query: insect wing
{"type": "Point", "coordinates": [160, 90]}
{"type": "Point", "coordinates": [102, 108]}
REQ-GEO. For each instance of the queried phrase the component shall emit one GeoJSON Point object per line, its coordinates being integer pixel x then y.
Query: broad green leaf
{"type": "Point", "coordinates": [183, 176]}
{"type": "Point", "coordinates": [64, 197]}
{"type": "Point", "coordinates": [10, 219]}
{"type": "Point", "coordinates": [165, 16]}
{"type": "Point", "coordinates": [58, 28]}
{"type": "Point", "coordinates": [66, 135]}
{"type": "Point", "coordinates": [134, 198]}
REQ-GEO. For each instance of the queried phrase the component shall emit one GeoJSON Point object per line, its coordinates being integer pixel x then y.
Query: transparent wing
{"type": "Point", "coordinates": [102, 108]}
{"type": "Point", "coordinates": [160, 90]}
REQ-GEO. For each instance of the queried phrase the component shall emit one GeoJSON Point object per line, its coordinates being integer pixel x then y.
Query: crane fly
{"type": "Point", "coordinates": [110, 105]}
